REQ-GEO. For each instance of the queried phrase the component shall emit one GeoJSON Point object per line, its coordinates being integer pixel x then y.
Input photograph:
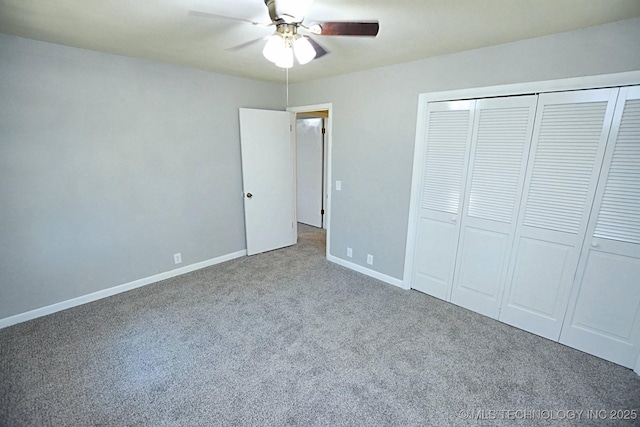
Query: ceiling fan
{"type": "Point", "coordinates": [286, 43]}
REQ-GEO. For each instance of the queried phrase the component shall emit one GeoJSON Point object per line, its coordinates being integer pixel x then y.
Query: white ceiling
{"type": "Point", "coordinates": [409, 29]}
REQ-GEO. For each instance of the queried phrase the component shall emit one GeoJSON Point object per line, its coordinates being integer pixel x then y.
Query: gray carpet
{"type": "Point", "coordinates": [288, 338]}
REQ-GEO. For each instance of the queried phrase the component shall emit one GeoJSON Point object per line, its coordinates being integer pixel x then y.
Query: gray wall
{"type": "Point", "coordinates": [374, 121]}
{"type": "Point", "coordinates": [109, 165]}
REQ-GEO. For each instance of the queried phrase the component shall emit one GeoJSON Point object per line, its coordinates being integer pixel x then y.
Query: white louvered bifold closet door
{"type": "Point", "coordinates": [445, 157]}
{"type": "Point", "coordinates": [604, 312]}
{"type": "Point", "coordinates": [569, 139]}
{"type": "Point", "coordinates": [499, 151]}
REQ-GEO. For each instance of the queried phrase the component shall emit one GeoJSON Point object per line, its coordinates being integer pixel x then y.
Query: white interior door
{"type": "Point", "coordinates": [604, 313]}
{"type": "Point", "coordinates": [499, 151]}
{"type": "Point", "coordinates": [569, 139]}
{"type": "Point", "coordinates": [448, 133]}
{"type": "Point", "coordinates": [267, 179]}
{"type": "Point", "coordinates": [309, 170]}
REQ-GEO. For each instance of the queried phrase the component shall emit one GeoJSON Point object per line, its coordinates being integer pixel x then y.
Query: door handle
{"type": "Point", "coordinates": [454, 219]}
{"type": "Point", "coordinates": [249, 195]}
{"type": "Point", "coordinates": [595, 244]}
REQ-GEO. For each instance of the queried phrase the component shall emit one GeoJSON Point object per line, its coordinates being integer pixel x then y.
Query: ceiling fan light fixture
{"type": "Point", "coordinates": [303, 49]}
{"type": "Point", "coordinates": [286, 58]}
{"type": "Point", "coordinates": [274, 48]}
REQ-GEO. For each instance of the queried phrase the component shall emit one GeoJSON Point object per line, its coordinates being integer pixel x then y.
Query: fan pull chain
{"type": "Point", "coordinates": [287, 87]}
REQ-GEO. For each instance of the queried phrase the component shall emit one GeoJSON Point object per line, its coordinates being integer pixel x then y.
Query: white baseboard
{"type": "Point", "coordinates": [376, 275]}
{"type": "Point", "coordinates": [43, 311]}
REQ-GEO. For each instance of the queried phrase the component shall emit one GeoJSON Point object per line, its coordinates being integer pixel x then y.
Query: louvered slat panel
{"type": "Point", "coordinates": [499, 148]}
{"type": "Point", "coordinates": [444, 160]}
{"type": "Point", "coordinates": [567, 145]}
{"type": "Point", "coordinates": [619, 216]}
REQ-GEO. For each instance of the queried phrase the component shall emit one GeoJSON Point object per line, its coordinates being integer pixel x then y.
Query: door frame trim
{"type": "Point", "coordinates": [574, 83]}
{"type": "Point", "coordinates": [328, 135]}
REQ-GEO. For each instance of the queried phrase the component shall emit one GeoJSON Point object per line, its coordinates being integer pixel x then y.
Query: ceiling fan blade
{"type": "Point", "coordinates": [246, 44]}
{"type": "Point", "coordinates": [320, 51]}
{"type": "Point", "coordinates": [229, 18]}
{"type": "Point", "coordinates": [335, 28]}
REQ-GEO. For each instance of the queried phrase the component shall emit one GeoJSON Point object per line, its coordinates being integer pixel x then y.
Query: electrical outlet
{"type": "Point", "coordinates": [349, 252]}
{"type": "Point", "coordinates": [177, 258]}
{"type": "Point", "coordinates": [369, 259]}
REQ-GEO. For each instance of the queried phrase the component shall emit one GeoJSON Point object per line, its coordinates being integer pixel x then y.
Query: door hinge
{"type": "Point", "coordinates": [290, 128]}
{"type": "Point", "coordinates": [324, 131]}
{"type": "Point", "coordinates": [321, 211]}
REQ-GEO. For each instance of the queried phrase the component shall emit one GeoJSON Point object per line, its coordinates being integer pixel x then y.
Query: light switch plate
{"type": "Point", "coordinates": [338, 185]}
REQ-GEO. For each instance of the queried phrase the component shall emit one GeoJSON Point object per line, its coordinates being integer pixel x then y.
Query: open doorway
{"type": "Point", "coordinates": [310, 169]}
{"type": "Point", "coordinates": [312, 135]}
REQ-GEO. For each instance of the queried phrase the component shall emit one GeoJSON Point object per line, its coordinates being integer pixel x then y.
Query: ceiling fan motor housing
{"type": "Point", "coordinates": [287, 14]}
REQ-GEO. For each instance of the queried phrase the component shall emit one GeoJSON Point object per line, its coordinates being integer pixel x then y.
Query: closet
{"type": "Point", "coordinates": [528, 211]}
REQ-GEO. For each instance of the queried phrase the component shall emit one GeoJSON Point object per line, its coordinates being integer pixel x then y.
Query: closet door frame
{"type": "Point", "coordinates": [578, 83]}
